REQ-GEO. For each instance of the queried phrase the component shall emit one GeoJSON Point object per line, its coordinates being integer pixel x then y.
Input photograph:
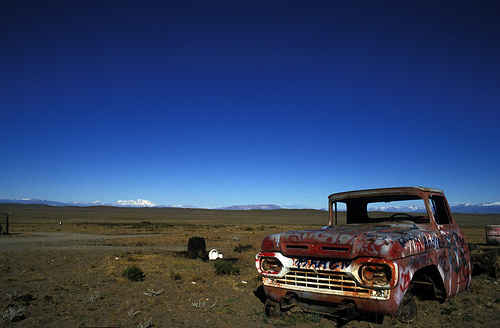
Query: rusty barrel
{"type": "Point", "coordinates": [196, 247]}
{"type": "Point", "coordinates": [493, 235]}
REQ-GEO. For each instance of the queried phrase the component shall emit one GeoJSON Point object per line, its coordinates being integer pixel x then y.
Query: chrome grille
{"type": "Point", "coordinates": [324, 282]}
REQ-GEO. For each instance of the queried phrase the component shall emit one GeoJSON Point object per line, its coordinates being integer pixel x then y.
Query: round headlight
{"type": "Point", "coordinates": [375, 274]}
{"type": "Point", "coordinates": [270, 265]}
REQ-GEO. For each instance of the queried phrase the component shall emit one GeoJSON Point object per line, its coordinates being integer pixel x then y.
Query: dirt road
{"type": "Point", "coordinates": [29, 241]}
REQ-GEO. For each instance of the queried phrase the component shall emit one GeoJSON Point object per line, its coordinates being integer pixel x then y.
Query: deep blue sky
{"type": "Point", "coordinates": [214, 103]}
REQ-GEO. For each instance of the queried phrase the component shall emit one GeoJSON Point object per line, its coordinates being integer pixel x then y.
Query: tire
{"type": "Point", "coordinates": [272, 308]}
{"type": "Point", "coordinates": [407, 311]}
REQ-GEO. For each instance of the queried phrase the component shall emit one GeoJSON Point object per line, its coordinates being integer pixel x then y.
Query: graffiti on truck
{"type": "Point", "coordinates": [321, 264]}
{"type": "Point", "coordinates": [457, 253]}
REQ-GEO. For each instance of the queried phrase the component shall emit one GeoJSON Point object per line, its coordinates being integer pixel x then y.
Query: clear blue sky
{"type": "Point", "coordinates": [214, 103]}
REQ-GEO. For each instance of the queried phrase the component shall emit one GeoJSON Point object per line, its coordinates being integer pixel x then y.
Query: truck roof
{"type": "Point", "coordinates": [381, 192]}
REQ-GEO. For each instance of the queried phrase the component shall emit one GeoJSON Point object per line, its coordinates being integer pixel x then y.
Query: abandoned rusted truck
{"type": "Point", "coordinates": [381, 248]}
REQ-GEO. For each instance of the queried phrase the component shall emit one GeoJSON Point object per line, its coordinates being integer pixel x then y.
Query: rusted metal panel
{"type": "Point", "coordinates": [493, 235]}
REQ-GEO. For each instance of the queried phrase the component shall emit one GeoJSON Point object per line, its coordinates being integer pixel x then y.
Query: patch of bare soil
{"type": "Point", "coordinates": [72, 277]}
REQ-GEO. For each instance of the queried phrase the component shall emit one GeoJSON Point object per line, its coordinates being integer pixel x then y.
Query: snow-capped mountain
{"type": "Point", "coordinates": [135, 203]}
{"type": "Point", "coordinates": [120, 203]}
{"type": "Point", "coordinates": [487, 208]}
{"type": "Point", "coordinates": [398, 209]}
{"type": "Point", "coordinates": [250, 207]}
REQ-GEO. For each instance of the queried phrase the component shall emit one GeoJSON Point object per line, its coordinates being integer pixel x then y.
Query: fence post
{"type": "Point", "coordinates": [7, 224]}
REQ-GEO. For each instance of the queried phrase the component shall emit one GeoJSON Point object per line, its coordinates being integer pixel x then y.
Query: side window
{"type": "Point", "coordinates": [440, 210]}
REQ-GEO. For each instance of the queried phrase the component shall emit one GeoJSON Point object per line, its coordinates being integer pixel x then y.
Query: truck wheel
{"type": "Point", "coordinates": [407, 310]}
{"type": "Point", "coordinates": [272, 308]}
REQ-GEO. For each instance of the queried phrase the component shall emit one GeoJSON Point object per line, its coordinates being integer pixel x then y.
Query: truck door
{"type": "Point", "coordinates": [454, 252]}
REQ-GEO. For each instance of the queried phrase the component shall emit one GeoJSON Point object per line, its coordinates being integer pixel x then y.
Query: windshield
{"type": "Point", "coordinates": [379, 209]}
{"type": "Point", "coordinates": [413, 210]}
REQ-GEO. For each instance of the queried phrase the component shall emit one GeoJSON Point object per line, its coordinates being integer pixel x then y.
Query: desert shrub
{"type": "Point", "coordinates": [226, 267]}
{"type": "Point", "coordinates": [134, 273]}
{"type": "Point", "coordinates": [93, 297]}
{"type": "Point", "coordinates": [175, 275]}
{"type": "Point", "coordinates": [12, 315]}
{"type": "Point", "coordinates": [198, 278]}
{"type": "Point", "coordinates": [242, 248]}
{"type": "Point", "coordinates": [152, 293]}
{"type": "Point", "coordinates": [148, 322]}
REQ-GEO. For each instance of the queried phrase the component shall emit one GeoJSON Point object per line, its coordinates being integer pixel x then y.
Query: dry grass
{"type": "Point", "coordinates": [60, 277]}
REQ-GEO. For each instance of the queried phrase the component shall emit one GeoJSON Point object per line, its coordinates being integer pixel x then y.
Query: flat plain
{"type": "Point", "coordinates": [63, 267]}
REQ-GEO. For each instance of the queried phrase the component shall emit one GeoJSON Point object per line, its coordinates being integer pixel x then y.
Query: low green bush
{"type": "Point", "coordinates": [134, 273]}
{"type": "Point", "coordinates": [226, 267]}
{"type": "Point", "coordinates": [242, 248]}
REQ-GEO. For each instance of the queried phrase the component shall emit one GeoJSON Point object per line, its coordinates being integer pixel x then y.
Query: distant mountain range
{"type": "Point", "coordinates": [488, 208]}
{"type": "Point", "coordinates": [120, 203]}
{"type": "Point", "coordinates": [131, 203]}
{"type": "Point", "coordinates": [250, 207]}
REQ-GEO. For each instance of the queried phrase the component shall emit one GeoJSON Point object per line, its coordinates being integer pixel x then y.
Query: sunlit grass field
{"type": "Point", "coordinates": [104, 219]}
{"type": "Point", "coordinates": [80, 282]}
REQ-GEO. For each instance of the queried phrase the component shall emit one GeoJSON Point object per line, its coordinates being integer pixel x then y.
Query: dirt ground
{"type": "Point", "coordinates": [71, 275]}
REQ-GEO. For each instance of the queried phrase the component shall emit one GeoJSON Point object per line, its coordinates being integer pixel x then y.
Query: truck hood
{"type": "Point", "coordinates": [389, 240]}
